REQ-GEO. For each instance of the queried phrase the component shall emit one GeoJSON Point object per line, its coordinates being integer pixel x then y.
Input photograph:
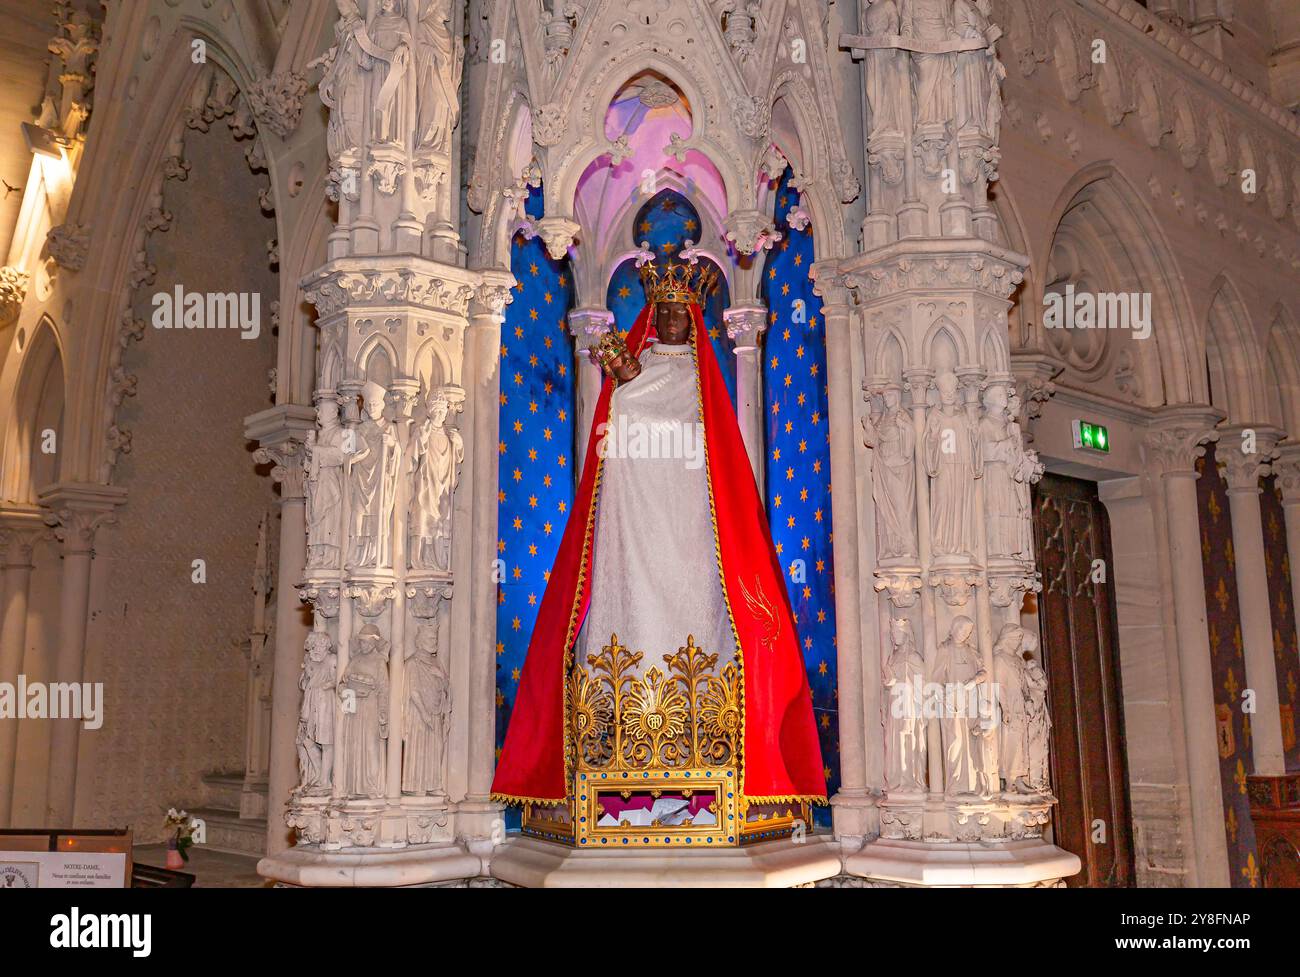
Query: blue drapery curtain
{"type": "Point", "coordinates": [797, 459]}
{"type": "Point", "coordinates": [535, 487]}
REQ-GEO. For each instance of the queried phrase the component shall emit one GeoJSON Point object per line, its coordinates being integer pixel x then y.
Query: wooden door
{"type": "Point", "coordinates": [1076, 612]}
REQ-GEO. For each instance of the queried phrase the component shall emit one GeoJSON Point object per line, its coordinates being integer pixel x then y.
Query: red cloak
{"type": "Point", "coordinates": [780, 756]}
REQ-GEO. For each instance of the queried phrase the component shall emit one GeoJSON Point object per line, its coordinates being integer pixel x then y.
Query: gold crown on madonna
{"type": "Point", "coordinates": [678, 283]}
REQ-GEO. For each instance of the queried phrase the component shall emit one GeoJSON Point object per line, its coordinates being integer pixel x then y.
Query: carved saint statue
{"type": "Point", "coordinates": [1039, 724]}
{"type": "Point", "coordinates": [438, 61]}
{"type": "Point", "coordinates": [893, 476]}
{"type": "Point", "coordinates": [1002, 456]}
{"type": "Point", "coordinates": [958, 670]}
{"type": "Point", "coordinates": [977, 81]}
{"type": "Point", "coordinates": [905, 743]}
{"type": "Point", "coordinates": [386, 51]}
{"type": "Point", "coordinates": [364, 693]}
{"type": "Point", "coordinates": [372, 479]}
{"type": "Point", "coordinates": [885, 77]}
{"type": "Point", "coordinates": [952, 461]}
{"type": "Point", "coordinates": [324, 485]}
{"type": "Point", "coordinates": [1013, 708]}
{"type": "Point", "coordinates": [428, 716]}
{"type": "Point", "coordinates": [342, 87]}
{"type": "Point", "coordinates": [435, 469]}
{"type": "Point", "coordinates": [1030, 471]}
{"type": "Point", "coordinates": [931, 21]}
{"type": "Point", "coordinates": [316, 718]}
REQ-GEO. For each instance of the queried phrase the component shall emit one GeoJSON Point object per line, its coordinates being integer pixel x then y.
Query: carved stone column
{"type": "Point", "coordinates": [1171, 450]}
{"type": "Point", "coordinates": [746, 325]}
{"type": "Point", "coordinates": [477, 813]}
{"type": "Point", "coordinates": [20, 528]}
{"type": "Point", "coordinates": [1244, 453]}
{"type": "Point", "coordinates": [853, 806]}
{"type": "Point", "coordinates": [1287, 469]}
{"type": "Point", "coordinates": [76, 511]}
{"type": "Point", "coordinates": [950, 474]}
{"type": "Point", "coordinates": [586, 326]}
{"type": "Point", "coordinates": [391, 691]}
{"type": "Point", "coordinates": [281, 433]}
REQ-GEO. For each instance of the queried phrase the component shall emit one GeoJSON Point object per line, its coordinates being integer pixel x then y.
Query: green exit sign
{"type": "Point", "coordinates": [1091, 437]}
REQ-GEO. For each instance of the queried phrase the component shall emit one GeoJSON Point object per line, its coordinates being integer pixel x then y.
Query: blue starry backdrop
{"type": "Point", "coordinates": [666, 222]}
{"type": "Point", "coordinates": [535, 488]}
{"type": "Point", "coordinates": [798, 475]}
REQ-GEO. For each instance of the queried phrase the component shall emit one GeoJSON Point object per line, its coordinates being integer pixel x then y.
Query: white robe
{"type": "Point", "coordinates": [655, 578]}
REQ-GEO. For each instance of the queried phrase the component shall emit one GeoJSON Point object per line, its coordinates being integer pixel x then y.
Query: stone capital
{"type": "Point", "coordinates": [13, 290]}
{"type": "Point", "coordinates": [917, 383]}
{"type": "Point", "coordinates": [21, 526]}
{"type": "Point", "coordinates": [830, 284]}
{"type": "Point", "coordinates": [381, 282]}
{"type": "Point", "coordinates": [588, 325]}
{"type": "Point", "coordinates": [935, 264]}
{"type": "Point", "coordinates": [1033, 373]}
{"type": "Point", "coordinates": [901, 585]}
{"type": "Point", "coordinates": [68, 245]}
{"type": "Point", "coordinates": [1243, 454]}
{"type": "Point", "coordinates": [75, 511]}
{"type": "Point", "coordinates": [276, 101]}
{"type": "Point", "coordinates": [557, 233]}
{"type": "Point", "coordinates": [1178, 437]}
{"type": "Point", "coordinates": [745, 325]}
{"type": "Point", "coordinates": [1287, 469]}
{"type": "Point", "coordinates": [493, 294]}
{"type": "Point", "coordinates": [281, 434]}
{"type": "Point", "coordinates": [750, 231]}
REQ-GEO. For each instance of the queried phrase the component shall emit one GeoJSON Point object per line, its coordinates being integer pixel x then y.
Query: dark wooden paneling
{"type": "Point", "coordinates": [1080, 656]}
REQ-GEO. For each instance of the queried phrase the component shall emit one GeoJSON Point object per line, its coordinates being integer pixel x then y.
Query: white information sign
{"type": "Point", "coordinates": [62, 870]}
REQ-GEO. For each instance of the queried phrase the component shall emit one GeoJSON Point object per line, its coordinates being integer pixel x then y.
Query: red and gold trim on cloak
{"type": "Point", "coordinates": [697, 330]}
{"type": "Point", "coordinates": [575, 608]}
{"type": "Point", "coordinates": [697, 327]}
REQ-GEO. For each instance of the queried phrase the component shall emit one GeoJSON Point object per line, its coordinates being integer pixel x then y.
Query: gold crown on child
{"type": "Point", "coordinates": [611, 345]}
{"type": "Point", "coordinates": [678, 283]}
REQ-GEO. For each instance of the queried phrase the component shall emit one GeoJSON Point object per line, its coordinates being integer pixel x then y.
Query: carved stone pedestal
{"type": "Point", "coordinates": [308, 866]}
{"type": "Point", "coordinates": [1012, 864]}
{"type": "Point", "coordinates": [533, 863]}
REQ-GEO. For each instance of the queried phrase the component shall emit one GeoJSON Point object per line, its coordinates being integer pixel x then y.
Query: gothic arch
{"type": "Point", "coordinates": [38, 404]}
{"type": "Point", "coordinates": [1233, 358]}
{"type": "Point", "coordinates": [944, 334]}
{"type": "Point", "coordinates": [157, 124]}
{"type": "Point", "coordinates": [891, 356]}
{"type": "Point", "coordinates": [510, 152]}
{"type": "Point", "coordinates": [1138, 258]}
{"type": "Point", "coordinates": [817, 181]}
{"type": "Point", "coordinates": [1011, 234]}
{"type": "Point", "coordinates": [296, 377]}
{"type": "Point", "coordinates": [431, 366]}
{"type": "Point", "coordinates": [1283, 363]}
{"type": "Point", "coordinates": [605, 82]}
{"type": "Point", "coordinates": [607, 196]}
{"type": "Point", "coordinates": [375, 350]}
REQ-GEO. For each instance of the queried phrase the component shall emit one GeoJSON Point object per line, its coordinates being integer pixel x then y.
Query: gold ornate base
{"type": "Point", "coordinates": [655, 759]}
{"type": "Point", "coordinates": [693, 808]}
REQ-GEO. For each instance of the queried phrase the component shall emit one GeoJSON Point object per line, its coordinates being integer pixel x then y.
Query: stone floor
{"type": "Point", "coordinates": [211, 869]}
